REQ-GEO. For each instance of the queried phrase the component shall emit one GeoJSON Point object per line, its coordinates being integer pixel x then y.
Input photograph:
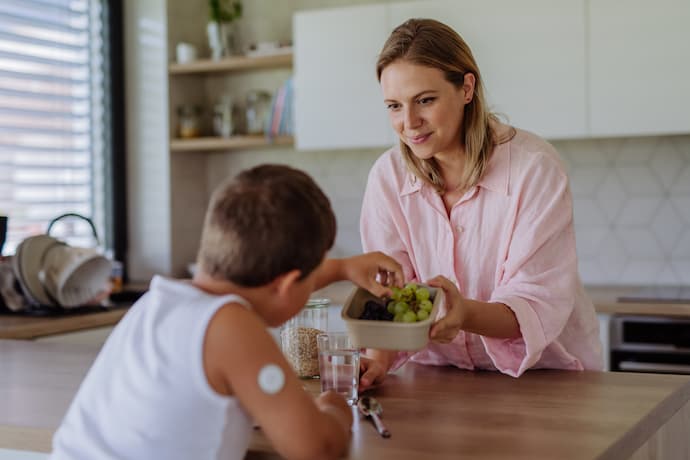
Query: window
{"type": "Point", "coordinates": [55, 119]}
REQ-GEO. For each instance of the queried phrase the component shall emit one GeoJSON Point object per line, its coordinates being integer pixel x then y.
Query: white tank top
{"type": "Point", "coordinates": [146, 395]}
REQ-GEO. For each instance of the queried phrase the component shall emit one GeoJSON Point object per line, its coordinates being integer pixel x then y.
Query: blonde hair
{"type": "Point", "coordinates": [266, 221]}
{"type": "Point", "coordinates": [433, 44]}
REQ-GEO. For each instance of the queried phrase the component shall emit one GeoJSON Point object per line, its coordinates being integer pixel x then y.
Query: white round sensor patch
{"type": "Point", "coordinates": [271, 379]}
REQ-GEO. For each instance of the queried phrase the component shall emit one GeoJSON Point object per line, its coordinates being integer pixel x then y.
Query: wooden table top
{"type": "Point", "coordinates": [432, 412]}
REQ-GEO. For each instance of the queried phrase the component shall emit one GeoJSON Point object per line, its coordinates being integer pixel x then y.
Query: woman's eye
{"type": "Point", "coordinates": [393, 106]}
{"type": "Point", "coordinates": [426, 100]}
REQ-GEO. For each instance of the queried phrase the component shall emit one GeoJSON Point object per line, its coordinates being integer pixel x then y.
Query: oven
{"type": "Point", "coordinates": [650, 344]}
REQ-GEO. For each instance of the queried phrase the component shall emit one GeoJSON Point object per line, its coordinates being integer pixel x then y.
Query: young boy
{"type": "Point", "coordinates": [192, 365]}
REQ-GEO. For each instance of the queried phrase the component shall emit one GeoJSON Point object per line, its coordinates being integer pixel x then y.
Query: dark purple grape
{"type": "Point", "coordinates": [375, 311]}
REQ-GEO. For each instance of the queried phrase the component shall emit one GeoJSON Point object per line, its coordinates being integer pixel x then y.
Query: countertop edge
{"type": "Point", "coordinates": [646, 427]}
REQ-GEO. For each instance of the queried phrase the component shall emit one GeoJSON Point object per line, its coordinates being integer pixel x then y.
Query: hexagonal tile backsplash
{"type": "Point", "coordinates": [632, 208]}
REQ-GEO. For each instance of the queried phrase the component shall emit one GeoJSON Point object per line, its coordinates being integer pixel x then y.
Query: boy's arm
{"type": "Point", "coordinates": [238, 350]}
{"type": "Point", "coordinates": [373, 271]}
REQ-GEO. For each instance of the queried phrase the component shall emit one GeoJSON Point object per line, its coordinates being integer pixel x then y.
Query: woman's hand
{"type": "Point", "coordinates": [445, 329]}
{"type": "Point", "coordinates": [375, 272]}
{"type": "Point", "coordinates": [371, 372]}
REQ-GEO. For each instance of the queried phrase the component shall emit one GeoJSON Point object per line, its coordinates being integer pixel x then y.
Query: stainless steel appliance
{"type": "Point", "coordinates": [650, 344]}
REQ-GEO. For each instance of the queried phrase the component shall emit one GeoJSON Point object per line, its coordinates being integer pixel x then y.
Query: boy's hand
{"type": "Point", "coordinates": [332, 402]}
{"type": "Point", "coordinates": [375, 272]}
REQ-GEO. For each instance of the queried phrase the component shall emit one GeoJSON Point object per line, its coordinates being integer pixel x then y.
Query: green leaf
{"type": "Point", "coordinates": [224, 10]}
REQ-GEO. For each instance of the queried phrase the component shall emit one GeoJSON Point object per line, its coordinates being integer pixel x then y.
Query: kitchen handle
{"type": "Point", "coordinates": [654, 367]}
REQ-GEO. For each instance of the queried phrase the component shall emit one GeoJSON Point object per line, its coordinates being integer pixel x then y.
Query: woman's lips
{"type": "Point", "coordinates": [419, 139]}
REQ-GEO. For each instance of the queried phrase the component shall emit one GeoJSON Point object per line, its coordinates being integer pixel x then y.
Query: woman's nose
{"type": "Point", "coordinates": [411, 118]}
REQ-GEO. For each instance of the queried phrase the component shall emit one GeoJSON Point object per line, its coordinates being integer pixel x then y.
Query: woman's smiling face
{"type": "Point", "coordinates": [425, 109]}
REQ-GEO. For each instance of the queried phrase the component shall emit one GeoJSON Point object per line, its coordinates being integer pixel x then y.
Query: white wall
{"type": "Point", "coordinates": [148, 166]}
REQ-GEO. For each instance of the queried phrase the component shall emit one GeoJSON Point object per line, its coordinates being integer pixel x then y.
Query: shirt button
{"type": "Point", "coordinates": [460, 228]}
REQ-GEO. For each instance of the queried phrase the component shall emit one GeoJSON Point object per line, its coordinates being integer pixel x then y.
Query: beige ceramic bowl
{"type": "Point", "coordinates": [386, 335]}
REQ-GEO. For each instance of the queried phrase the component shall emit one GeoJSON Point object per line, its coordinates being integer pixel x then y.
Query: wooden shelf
{"type": "Point", "coordinates": [231, 63]}
{"type": "Point", "coordinates": [206, 144]}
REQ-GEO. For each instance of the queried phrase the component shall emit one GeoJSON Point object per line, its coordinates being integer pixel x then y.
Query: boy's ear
{"type": "Point", "coordinates": [285, 282]}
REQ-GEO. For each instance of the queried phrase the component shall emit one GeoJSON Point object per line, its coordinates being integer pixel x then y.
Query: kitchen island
{"type": "Point", "coordinates": [432, 412]}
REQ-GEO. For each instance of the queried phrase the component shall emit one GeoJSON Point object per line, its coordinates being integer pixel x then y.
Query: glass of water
{"type": "Point", "coordinates": [338, 365]}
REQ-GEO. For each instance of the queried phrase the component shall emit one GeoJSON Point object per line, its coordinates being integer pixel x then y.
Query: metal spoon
{"type": "Point", "coordinates": [370, 407]}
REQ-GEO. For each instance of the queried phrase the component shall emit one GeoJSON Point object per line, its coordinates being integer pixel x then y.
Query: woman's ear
{"type": "Point", "coordinates": [284, 283]}
{"type": "Point", "coordinates": [468, 86]}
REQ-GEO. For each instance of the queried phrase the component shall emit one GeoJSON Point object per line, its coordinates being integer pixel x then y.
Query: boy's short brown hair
{"type": "Point", "coordinates": [264, 222]}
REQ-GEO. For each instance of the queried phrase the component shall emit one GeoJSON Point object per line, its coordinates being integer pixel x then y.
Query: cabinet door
{"type": "Point", "coordinates": [531, 55]}
{"type": "Point", "coordinates": [640, 59]}
{"type": "Point", "coordinates": [338, 102]}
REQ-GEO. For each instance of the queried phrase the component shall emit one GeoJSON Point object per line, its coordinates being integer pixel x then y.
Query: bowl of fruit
{"type": "Point", "coordinates": [400, 322]}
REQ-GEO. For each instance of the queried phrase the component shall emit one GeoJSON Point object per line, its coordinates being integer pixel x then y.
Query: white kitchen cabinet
{"type": "Point", "coordinates": [531, 55]}
{"type": "Point", "coordinates": [338, 102]}
{"type": "Point", "coordinates": [639, 64]}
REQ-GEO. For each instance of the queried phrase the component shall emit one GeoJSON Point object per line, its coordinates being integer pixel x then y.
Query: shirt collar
{"type": "Point", "coordinates": [497, 174]}
{"type": "Point", "coordinates": [411, 184]}
{"type": "Point", "coordinates": [496, 177]}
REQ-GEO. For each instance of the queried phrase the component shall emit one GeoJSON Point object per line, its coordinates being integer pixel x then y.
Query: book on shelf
{"type": "Point", "coordinates": [280, 122]}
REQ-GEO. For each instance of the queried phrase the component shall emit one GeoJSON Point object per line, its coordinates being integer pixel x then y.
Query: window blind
{"type": "Point", "coordinates": [53, 101]}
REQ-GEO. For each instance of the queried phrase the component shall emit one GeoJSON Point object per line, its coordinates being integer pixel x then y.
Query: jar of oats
{"type": "Point", "coordinates": [298, 337]}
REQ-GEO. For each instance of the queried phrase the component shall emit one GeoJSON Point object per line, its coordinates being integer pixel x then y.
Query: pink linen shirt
{"type": "Point", "coordinates": [510, 239]}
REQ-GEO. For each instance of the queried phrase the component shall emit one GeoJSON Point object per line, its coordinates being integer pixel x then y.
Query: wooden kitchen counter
{"type": "Point", "coordinates": [432, 412]}
{"type": "Point", "coordinates": [32, 327]}
{"type": "Point", "coordinates": [605, 299]}
{"type": "Point", "coordinates": [29, 327]}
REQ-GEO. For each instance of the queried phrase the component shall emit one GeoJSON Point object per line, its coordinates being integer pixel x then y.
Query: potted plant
{"type": "Point", "coordinates": [220, 29]}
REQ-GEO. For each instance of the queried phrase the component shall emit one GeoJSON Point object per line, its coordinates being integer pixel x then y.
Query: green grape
{"type": "Point", "coordinates": [412, 286]}
{"type": "Point", "coordinates": [400, 307]}
{"type": "Point", "coordinates": [390, 307]}
{"type": "Point", "coordinates": [422, 294]}
{"type": "Point", "coordinates": [397, 293]}
{"type": "Point", "coordinates": [409, 317]}
{"type": "Point", "coordinates": [398, 318]}
{"type": "Point", "coordinates": [426, 305]}
{"type": "Point", "coordinates": [422, 315]}
{"type": "Point", "coordinates": [407, 293]}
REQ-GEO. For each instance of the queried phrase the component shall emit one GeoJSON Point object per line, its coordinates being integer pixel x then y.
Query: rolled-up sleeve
{"type": "Point", "coordinates": [538, 280]}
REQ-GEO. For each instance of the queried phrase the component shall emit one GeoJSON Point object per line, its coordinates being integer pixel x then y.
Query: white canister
{"type": "Point", "coordinates": [186, 52]}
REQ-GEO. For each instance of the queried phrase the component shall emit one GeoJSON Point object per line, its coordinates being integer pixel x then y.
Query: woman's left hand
{"type": "Point", "coordinates": [446, 329]}
{"type": "Point", "coordinates": [375, 272]}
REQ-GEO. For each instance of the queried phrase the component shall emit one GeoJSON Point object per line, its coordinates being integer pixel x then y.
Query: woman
{"type": "Point", "coordinates": [479, 209]}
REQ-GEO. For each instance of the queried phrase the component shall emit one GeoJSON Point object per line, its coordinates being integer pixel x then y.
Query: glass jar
{"type": "Point", "coordinates": [258, 107]}
{"type": "Point", "coordinates": [298, 337]}
{"type": "Point", "coordinates": [222, 117]}
{"type": "Point", "coordinates": [189, 121]}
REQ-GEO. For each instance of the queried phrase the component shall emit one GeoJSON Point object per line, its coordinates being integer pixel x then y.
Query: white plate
{"type": "Point", "coordinates": [27, 265]}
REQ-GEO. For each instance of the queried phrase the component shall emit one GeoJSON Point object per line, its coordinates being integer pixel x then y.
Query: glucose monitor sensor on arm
{"type": "Point", "coordinates": [271, 379]}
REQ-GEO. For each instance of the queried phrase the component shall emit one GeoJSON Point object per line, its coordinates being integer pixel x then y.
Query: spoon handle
{"type": "Point", "coordinates": [380, 427]}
